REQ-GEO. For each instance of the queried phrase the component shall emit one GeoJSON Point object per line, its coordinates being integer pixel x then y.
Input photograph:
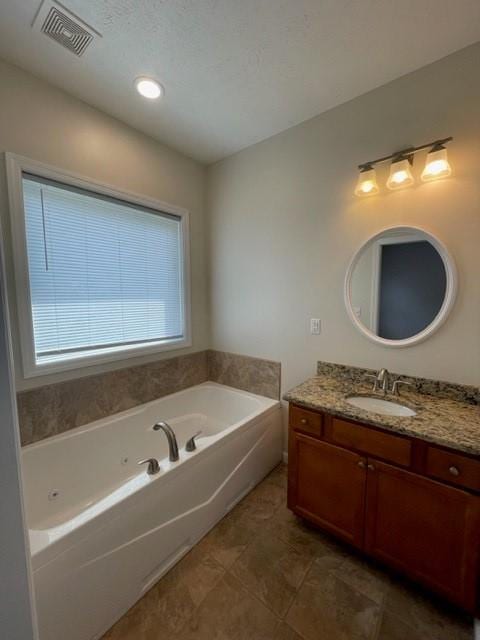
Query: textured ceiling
{"type": "Point", "coordinates": [236, 71]}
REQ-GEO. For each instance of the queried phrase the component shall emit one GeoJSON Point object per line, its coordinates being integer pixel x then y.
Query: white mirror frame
{"type": "Point", "coordinates": [450, 292]}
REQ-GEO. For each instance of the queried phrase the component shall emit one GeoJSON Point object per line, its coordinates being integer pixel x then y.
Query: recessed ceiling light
{"type": "Point", "coordinates": [149, 88]}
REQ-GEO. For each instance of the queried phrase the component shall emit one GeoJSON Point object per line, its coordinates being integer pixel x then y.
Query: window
{"type": "Point", "coordinates": [106, 276]}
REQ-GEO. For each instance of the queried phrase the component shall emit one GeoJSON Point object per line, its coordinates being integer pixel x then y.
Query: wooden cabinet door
{"type": "Point", "coordinates": [327, 486]}
{"type": "Point", "coordinates": [424, 528]}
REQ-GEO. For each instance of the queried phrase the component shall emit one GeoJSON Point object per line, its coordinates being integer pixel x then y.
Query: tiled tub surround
{"type": "Point", "coordinates": [52, 409]}
{"type": "Point", "coordinates": [243, 372]}
{"type": "Point", "coordinates": [447, 414]}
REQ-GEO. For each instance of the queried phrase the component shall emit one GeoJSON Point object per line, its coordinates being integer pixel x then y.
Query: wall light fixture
{"type": "Point", "coordinates": [436, 166]}
{"type": "Point", "coordinates": [400, 173]}
{"type": "Point", "coordinates": [367, 182]}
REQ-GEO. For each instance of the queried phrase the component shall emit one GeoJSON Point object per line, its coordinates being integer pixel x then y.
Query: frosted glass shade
{"type": "Point", "coordinates": [367, 183]}
{"type": "Point", "coordinates": [436, 166]}
{"type": "Point", "coordinates": [400, 175]}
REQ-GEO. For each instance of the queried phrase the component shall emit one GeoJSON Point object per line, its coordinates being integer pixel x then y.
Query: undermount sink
{"type": "Point", "coordinates": [379, 405]}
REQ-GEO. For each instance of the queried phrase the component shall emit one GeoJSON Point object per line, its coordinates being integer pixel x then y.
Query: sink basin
{"type": "Point", "coordinates": [379, 405]}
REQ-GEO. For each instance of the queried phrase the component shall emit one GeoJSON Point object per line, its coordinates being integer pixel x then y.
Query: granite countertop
{"type": "Point", "coordinates": [442, 420]}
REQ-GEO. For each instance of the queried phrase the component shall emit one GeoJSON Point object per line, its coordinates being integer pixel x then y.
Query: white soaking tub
{"type": "Point", "coordinates": [103, 531]}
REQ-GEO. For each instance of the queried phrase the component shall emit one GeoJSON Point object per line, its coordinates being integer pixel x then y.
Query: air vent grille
{"type": "Point", "coordinates": [63, 26]}
{"type": "Point", "coordinates": [64, 30]}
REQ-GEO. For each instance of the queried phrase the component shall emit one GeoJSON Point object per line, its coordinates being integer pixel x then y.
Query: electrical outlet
{"type": "Point", "coordinates": [315, 326]}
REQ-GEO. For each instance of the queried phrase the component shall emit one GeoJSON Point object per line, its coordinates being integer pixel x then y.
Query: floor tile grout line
{"type": "Point", "coordinates": [295, 589]}
{"type": "Point", "coordinates": [378, 630]}
{"type": "Point", "coordinates": [197, 606]}
{"type": "Point", "coordinates": [312, 560]}
{"type": "Point", "coordinates": [292, 547]}
{"type": "Point", "coordinates": [255, 597]}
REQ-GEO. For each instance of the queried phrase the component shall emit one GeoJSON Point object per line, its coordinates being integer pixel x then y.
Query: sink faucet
{"type": "Point", "coordinates": [381, 380]}
{"type": "Point", "coordinates": [172, 440]}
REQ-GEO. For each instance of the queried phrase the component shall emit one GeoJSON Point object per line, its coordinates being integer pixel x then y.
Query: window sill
{"type": "Point", "coordinates": [101, 356]}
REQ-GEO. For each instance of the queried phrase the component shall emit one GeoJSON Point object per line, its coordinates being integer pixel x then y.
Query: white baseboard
{"type": "Point", "coordinates": [285, 457]}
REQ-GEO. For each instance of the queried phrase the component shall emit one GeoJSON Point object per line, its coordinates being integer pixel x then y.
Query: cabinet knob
{"type": "Point", "coordinates": [303, 421]}
{"type": "Point", "coordinates": [454, 471]}
{"type": "Point", "coordinates": [371, 467]}
{"type": "Point", "coordinates": [361, 464]}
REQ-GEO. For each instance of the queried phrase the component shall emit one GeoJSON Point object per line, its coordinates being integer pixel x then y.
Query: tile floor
{"type": "Point", "coordinates": [263, 574]}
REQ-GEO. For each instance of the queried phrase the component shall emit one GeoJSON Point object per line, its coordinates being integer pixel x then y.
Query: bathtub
{"type": "Point", "coordinates": [102, 531]}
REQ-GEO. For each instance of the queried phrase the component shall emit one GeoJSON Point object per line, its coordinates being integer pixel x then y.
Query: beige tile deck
{"type": "Point", "coordinates": [262, 574]}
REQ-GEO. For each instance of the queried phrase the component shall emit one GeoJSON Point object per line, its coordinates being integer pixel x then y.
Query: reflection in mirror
{"type": "Point", "coordinates": [398, 284]}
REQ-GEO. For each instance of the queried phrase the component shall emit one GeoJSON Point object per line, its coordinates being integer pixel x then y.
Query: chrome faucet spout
{"type": "Point", "coordinates": [383, 378]}
{"type": "Point", "coordinates": [171, 438]}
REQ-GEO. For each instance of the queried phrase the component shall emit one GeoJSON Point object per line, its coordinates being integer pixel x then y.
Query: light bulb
{"type": "Point", "coordinates": [367, 183]}
{"type": "Point", "coordinates": [437, 165]}
{"type": "Point", "coordinates": [148, 88]}
{"type": "Point", "coordinates": [400, 174]}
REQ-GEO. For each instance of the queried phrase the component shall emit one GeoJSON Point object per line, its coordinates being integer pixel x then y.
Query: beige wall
{"type": "Point", "coordinates": [284, 223]}
{"type": "Point", "coordinates": [43, 123]}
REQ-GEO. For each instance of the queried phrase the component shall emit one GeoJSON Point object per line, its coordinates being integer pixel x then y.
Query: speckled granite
{"type": "Point", "coordinates": [440, 419]}
{"type": "Point", "coordinates": [439, 388]}
{"type": "Point", "coordinates": [244, 372]}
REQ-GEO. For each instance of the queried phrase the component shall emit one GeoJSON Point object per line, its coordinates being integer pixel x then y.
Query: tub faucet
{"type": "Point", "coordinates": [172, 439]}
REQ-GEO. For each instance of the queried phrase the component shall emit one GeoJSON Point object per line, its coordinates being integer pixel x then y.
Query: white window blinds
{"type": "Point", "coordinates": [105, 275]}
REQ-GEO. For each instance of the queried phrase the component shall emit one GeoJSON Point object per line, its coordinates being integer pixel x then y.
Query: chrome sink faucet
{"type": "Point", "coordinates": [381, 380]}
{"type": "Point", "coordinates": [383, 377]}
{"type": "Point", "coordinates": [171, 438]}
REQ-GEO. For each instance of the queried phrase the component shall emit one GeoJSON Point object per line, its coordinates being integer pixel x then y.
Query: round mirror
{"type": "Point", "coordinates": [400, 286]}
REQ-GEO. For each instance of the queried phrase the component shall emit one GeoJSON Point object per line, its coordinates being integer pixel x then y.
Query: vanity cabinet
{"type": "Point", "coordinates": [373, 489]}
{"type": "Point", "coordinates": [330, 487]}
{"type": "Point", "coordinates": [423, 528]}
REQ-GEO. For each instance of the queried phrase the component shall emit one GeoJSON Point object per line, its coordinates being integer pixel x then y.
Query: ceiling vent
{"type": "Point", "coordinates": [60, 24]}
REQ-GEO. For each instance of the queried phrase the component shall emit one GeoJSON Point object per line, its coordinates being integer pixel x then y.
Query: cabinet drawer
{"type": "Point", "coordinates": [371, 442]}
{"type": "Point", "coordinates": [307, 421]}
{"type": "Point", "coordinates": [453, 467]}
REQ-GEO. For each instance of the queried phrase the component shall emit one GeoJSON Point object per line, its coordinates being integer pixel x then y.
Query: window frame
{"type": "Point", "coordinates": [16, 166]}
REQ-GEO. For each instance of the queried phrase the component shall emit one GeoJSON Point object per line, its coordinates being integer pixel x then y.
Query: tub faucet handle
{"type": "Point", "coordinates": [191, 446]}
{"type": "Point", "coordinates": [153, 466]}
